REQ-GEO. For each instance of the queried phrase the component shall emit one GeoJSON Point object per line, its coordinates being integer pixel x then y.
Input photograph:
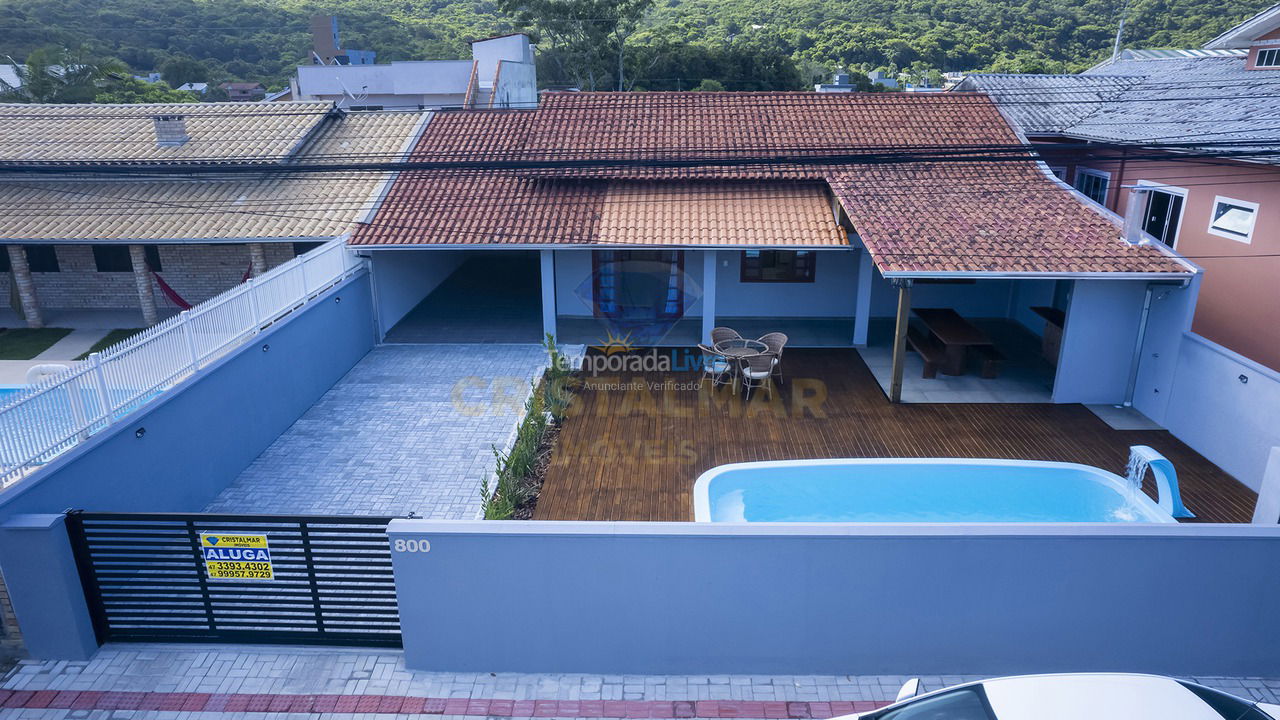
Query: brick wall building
{"type": "Point", "coordinates": [82, 280]}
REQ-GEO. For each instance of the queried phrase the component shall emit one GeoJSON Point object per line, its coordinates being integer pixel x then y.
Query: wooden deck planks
{"type": "Point", "coordinates": [635, 454]}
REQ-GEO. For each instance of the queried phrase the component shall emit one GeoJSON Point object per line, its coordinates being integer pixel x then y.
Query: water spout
{"type": "Point", "coordinates": [1142, 458]}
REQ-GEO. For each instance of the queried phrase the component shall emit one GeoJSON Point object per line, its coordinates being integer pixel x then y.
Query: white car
{"type": "Point", "coordinates": [1080, 696]}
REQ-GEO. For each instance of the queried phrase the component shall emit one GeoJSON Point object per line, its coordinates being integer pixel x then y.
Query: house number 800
{"type": "Point", "coordinates": [402, 545]}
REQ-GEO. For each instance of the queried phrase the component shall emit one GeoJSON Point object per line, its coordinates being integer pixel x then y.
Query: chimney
{"type": "Point", "coordinates": [171, 130]}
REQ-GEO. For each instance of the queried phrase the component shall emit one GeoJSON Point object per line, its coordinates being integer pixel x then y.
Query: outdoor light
{"type": "Point", "coordinates": [265, 347]}
{"type": "Point", "coordinates": [337, 298]}
{"type": "Point", "coordinates": [140, 432]}
{"type": "Point", "coordinates": [1243, 378]}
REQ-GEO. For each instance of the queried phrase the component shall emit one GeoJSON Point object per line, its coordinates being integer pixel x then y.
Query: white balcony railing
{"type": "Point", "coordinates": [62, 410]}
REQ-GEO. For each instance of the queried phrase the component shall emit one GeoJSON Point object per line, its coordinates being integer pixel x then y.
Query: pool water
{"type": "Point", "coordinates": [921, 490]}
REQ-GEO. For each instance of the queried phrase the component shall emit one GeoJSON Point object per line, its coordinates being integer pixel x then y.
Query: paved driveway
{"type": "Point", "coordinates": [410, 428]}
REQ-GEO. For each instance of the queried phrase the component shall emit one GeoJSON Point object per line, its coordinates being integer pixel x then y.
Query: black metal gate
{"type": "Point", "coordinates": [146, 580]}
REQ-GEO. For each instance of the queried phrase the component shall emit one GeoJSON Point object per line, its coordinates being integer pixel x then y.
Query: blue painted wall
{"type": "Point", "coordinates": [1231, 422]}
{"type": "Point", "coordinates": [404, 278]}
{"type": "Point", "coordinates": [702, 598]}
{"type": "Point", "coordinates": [832, 293]}
{"type": "Point", "coordinates": [1098, 341]}
{"type": "Point", "coordinates": [199, 437]}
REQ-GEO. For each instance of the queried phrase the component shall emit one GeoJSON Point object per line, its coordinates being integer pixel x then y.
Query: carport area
{"type": "Point", "coordinates": [458, 296]}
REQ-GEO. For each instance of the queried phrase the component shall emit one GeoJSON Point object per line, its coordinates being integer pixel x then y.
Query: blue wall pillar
{"type": "Point", "coordinates": [44, 587]}
{"type": "Point", "coordinates": [862, 313]}
{"type": "Point", "coordinates": [548, 263]}
{"type": "Point", "coordinates": [710, 261]}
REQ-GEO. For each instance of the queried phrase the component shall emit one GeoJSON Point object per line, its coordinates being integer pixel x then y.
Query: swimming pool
{"type": "Point", "coordinates": [936, 490]}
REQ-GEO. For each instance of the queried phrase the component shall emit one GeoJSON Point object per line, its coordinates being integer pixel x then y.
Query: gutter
{"type": "Point", "coordinates": [169, 241]}
{"type": "Point", "coordinates": [984, 275]}
{"type": "Point", "coordinates": [589, 246]}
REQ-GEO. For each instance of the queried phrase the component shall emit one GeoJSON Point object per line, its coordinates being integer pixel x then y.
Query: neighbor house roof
{"type": "Point", "coordinates": [218, 132]}
{"type": "Point", "coordinates": [586, 155]}
{"type": "Point", "coordinates": [1146, 98]}
{"type": "Point", "coordinates": [1246, 32]}
{"type": "Point", "coordinates": [226, 208]}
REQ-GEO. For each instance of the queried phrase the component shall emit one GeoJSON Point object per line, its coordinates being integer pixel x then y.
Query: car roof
{"type": "Point", "coordinates": [1097, 696]}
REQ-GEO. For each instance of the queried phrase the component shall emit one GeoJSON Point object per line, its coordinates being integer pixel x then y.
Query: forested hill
{"type": "Point", "coordinates": [741, 44]}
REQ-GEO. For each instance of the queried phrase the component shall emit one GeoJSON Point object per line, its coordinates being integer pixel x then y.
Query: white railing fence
{"type": "Point", "coordinates": [58, 412]}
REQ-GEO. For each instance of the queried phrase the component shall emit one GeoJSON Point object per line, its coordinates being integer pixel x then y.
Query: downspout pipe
{"type": "Point", "coordinates": [1136, 362]}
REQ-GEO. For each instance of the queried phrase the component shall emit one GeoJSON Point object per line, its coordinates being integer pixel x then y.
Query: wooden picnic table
{"type": "Point", "coordinates": [956, 335]}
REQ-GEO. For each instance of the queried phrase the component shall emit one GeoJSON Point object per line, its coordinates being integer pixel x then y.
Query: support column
{"type": "Point", "coordinates": [257, 259]}
{"type": "Point", "coordinates": [548, 264]}
{"type": "Point", "coordinates": [900, 339]}
{"type": "Point", "coordinates": [862, 312]}
{"type": "Point", "coordinates": [26, 288]}
{"type": "Point", "coordinates": [710, 263]}
{"type": "Point", "coordinates": [44, 587]}
{"type": "Point", "coordinates": [1267, 509]}
{"type": "Point", "coordinates": [142, 279]}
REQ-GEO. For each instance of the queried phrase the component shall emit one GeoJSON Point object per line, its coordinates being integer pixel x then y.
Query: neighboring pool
{"type": "Point", "coordinates": [937, 490]}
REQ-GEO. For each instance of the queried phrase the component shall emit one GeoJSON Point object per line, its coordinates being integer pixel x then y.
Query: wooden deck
{"type": "Point", "coordinates": [633, 453]}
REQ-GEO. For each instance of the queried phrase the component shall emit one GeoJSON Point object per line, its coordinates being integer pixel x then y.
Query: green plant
{"type": "Point", "coordinates": [514, 468]}
{"type": "Point", "coordinates": [558, 382]}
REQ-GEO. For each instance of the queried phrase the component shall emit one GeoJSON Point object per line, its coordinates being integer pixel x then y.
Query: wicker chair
{"type": "Point", "coordinates": [776, 342]}
{"type": "Point", "coordinates": [715, 366]}
{"type": "Point", "coordinates": [756, 371]}
{"type": "Point", "coordinates": [720, 334]}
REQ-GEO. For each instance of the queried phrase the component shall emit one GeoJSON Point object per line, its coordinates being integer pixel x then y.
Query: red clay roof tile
{"type": "Point", "coordinates": [968, 215]}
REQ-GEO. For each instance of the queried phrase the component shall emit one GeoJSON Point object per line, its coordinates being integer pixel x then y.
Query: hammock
{"type": "Point", "coordinates": [170, 293]}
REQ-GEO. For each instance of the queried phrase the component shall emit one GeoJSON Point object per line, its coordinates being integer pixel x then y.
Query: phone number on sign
{"type": "Point", "coordinates": [240, 570]}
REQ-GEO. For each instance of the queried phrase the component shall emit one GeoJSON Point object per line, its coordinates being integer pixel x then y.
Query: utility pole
{"type": "Point", "coordinates": [1115, 50]}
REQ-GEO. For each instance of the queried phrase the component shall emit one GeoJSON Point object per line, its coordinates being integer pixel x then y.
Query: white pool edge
{"type": "Point", "coordinates": [702, 495]}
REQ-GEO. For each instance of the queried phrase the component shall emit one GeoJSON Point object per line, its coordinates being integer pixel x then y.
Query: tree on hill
{"type": "Point", "coordinates": [59, 75]}
{"type": "Point", "coordinates": [133, 91]}
{"type": "Point", "coordinates": [587, 39]}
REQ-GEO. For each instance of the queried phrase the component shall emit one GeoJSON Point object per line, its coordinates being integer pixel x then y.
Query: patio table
{"type": "Point", "coordinates": [955, 333]}
{"type": "Point", "coordinates": [740, 347]}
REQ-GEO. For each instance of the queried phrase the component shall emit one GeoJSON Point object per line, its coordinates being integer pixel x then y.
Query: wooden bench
{"type": "Point", "coordinates": [989, 360]}
{"type": "Point", "coordinates": [931, 351]}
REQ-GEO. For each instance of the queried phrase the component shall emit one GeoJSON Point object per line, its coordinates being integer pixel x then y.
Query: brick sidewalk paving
{"type": "Point", "coordinates": [168, 682]}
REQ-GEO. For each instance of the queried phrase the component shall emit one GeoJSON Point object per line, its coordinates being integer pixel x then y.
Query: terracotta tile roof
{"type": "Point", "coordinates": [747, 213]}
{"type": "Point", "coordinates": [219, 132]}
{"type": "Point", "coordinates": [914, 216]}
{"type": "Point", "coordinates": [235, 207]}
{"type": "Point", "coordinates": [983, 217]}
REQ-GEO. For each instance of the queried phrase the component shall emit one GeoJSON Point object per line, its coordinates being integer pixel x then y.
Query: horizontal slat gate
{"type": "Point", "coordinates": [145, 580]}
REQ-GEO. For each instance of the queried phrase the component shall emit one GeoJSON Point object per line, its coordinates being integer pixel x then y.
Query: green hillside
{"type": "Point", "coordinates": [742, 44]}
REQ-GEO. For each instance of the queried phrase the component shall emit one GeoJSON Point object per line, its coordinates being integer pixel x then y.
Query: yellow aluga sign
{"type": "Point", "coordinates": [229, 556]}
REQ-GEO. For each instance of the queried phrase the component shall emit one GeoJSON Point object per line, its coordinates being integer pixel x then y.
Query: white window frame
{"type": "Point", "coordinates": [1103, 174]}
{"type": "Point", "coordinates": [1177, 233]}
{"type": "Point", "coordinates": [1272, 52]}
{"type": "Point", "coordinates": [1219, 199]}
{"type": "Point", "coordinates": [1059, 171]}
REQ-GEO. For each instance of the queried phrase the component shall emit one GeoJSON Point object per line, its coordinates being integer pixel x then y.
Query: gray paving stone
{"type": "Point", "coordinates": [409, 428]}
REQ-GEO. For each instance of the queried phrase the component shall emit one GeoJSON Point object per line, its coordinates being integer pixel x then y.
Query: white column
{"type": "Point", "coordinates": [862, 312]}
{"type": "Point", "coordinates": [710, 259]}
{"type": "Point", "coordinates": [548, 262]}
